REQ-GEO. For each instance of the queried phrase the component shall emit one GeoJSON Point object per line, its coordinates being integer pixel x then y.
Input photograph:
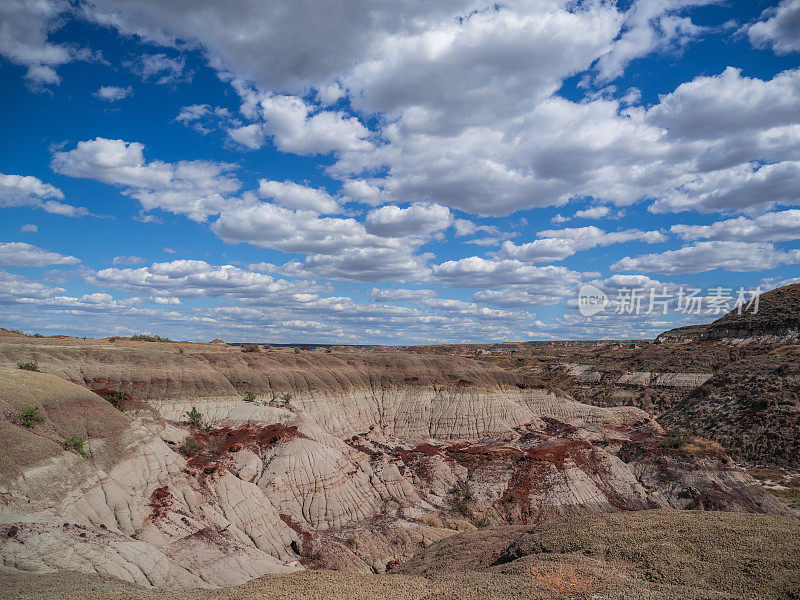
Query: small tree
{"type": "Point", "coordinates": [195, 416]}
{"type": "Point", "coordinates": [29, 417]}
{"type": "Point", "coordinates": [76, 443]}
{"type": "Point", "coordinates": [249, 397]}
{"type": "Point", "coordinates": [29, 366]}
{"type": "Point", "coordinates": [191, 447]}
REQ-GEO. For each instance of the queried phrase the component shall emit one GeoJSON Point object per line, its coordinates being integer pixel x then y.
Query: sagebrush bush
{"type": "Point", "coordinates": [76, 443]}
{"type": "Point", "coordinates": [249, 397]}
{"type": "Point", "coordinates": [29, 417]}
{"type": "Point", "coordinates": [29, 366]}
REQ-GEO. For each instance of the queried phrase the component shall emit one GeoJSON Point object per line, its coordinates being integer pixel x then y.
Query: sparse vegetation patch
{"type": "Point", "coordinates": [140, 337]}
{"type": "Point", "coordinates": [29, 417]}
{"type": "Point", "coordinates": [75, 443]}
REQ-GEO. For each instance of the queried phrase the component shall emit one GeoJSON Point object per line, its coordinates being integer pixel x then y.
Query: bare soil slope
{"type": "Point", "coordinates": [752, 407]}
{"type": "Point", "coordinates": [640, 555]}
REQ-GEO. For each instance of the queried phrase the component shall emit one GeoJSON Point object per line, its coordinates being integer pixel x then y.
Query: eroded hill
{"type": "Point", "coordinates": [351, 460]}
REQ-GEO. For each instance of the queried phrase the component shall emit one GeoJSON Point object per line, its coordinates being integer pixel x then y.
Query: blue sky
{"type": "Point", "coordinates": [391, 173]}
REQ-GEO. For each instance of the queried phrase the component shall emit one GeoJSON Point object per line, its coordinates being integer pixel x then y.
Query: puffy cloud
{"type": "Point", "coordinates": [472, 69]}
{"type": "Point", "coordinates": [515, 298]}
{"type": "Point", "coordinates": [594, 212]}
{"type": "Point", "coordinates": [419, 219]}
{"type": "Point", "coordinates": [649, 25]}
{"type": "Point", "coordinates": [400, 295]}
{"type": "Point", "coordinates": [526, 162]}
{"type": "Point", "coordinates": [16, 288]}
{"type": "Point", "coordinates": [127, 260]}
{"type": "Point", "coordinates": [25, 190]}
{"type": "Point", "coordinates": [465, 97]}
{"type": "Point", "coordinates": [293, 48]}
{"type": "Point", "coordinates": [336, 248]}
{"type": "Point", "coordinates": [194, 279]}
{"type": "Point", "coordinates": [250, 136]}
{"type": "Point", "coordinates": [112, 93]}
{"type": "Point", "coordinates": [779, 28]}
{"type": "Point", "coordinates": [295, 128]}
{"type": "Point", "coordinates": [292, 195]}
{"type": "Point", "coordinates": [196, 189]}
{"type": "Point", "coordinates": [744, 187]}
{"type": "Point", "coordinates": [770, 227]}
{"type": "Point", "coordinates": [474, 272]}
{"type": "Point", "coordinates": [364, 264]}
{"type": "Point", "coordinates": [20, 254]}
{"type": "Point", "coordinates": [363, 191]}
{"type": "Point", "coordinates": [558, 244]}
{"type": "Point", "coordinates": [461, 308]}
{"type": "Point", "coordinates": [272, 226]}
{"type": "Point", "coordinates": [24, 31]}
{"type": "Point", "coordinates": [707, 256]}
{"type": "Point", "coordinates": [711, 107]}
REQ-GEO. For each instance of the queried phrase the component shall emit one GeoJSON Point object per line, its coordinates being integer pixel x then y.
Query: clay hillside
{"type": "Point", "coordinates": [180, 466]}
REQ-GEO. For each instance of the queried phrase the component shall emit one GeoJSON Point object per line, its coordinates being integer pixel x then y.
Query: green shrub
{"type": "Point", "coordinates": [251, 348]}
{"type": "Point", "coordinates": [140, 337]}
{"type": "Point", "coordinates": [38, 335]}
{"type": "Point", "coordinates": [673, 442]}
{"type": "Point", "coordinates": [191, 447]}
{"type": "Point", "coordinates": [76, 443]}
{"type": "Point", "coordinates": [462, 494]}
{"type": "Point", "coordinates": [249, 397]}
{"type": "Point", "coordinates": [286, 396]}
{"type": "Point", "coordinates": [195, 416]}
{"type": "Point", "coordinates": [29, 417]}
{"type": "Point", "coordinates": [29, 366]}
{"type": "Point", "coordinates": [116, 399]}
{"type": "Point", "coordinates": [297, 350]}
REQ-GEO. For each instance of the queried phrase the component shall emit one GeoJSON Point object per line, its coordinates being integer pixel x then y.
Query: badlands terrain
{"type": "Point", "coordinates": [660, 469]}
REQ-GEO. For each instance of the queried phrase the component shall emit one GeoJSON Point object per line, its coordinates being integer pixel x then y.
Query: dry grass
{"type": "Point", "coordinates": [699, 445]}
{"type": "Point", "coordinates": [431, 521]}
{"type": "Point", "coordinates": [566, 582]}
